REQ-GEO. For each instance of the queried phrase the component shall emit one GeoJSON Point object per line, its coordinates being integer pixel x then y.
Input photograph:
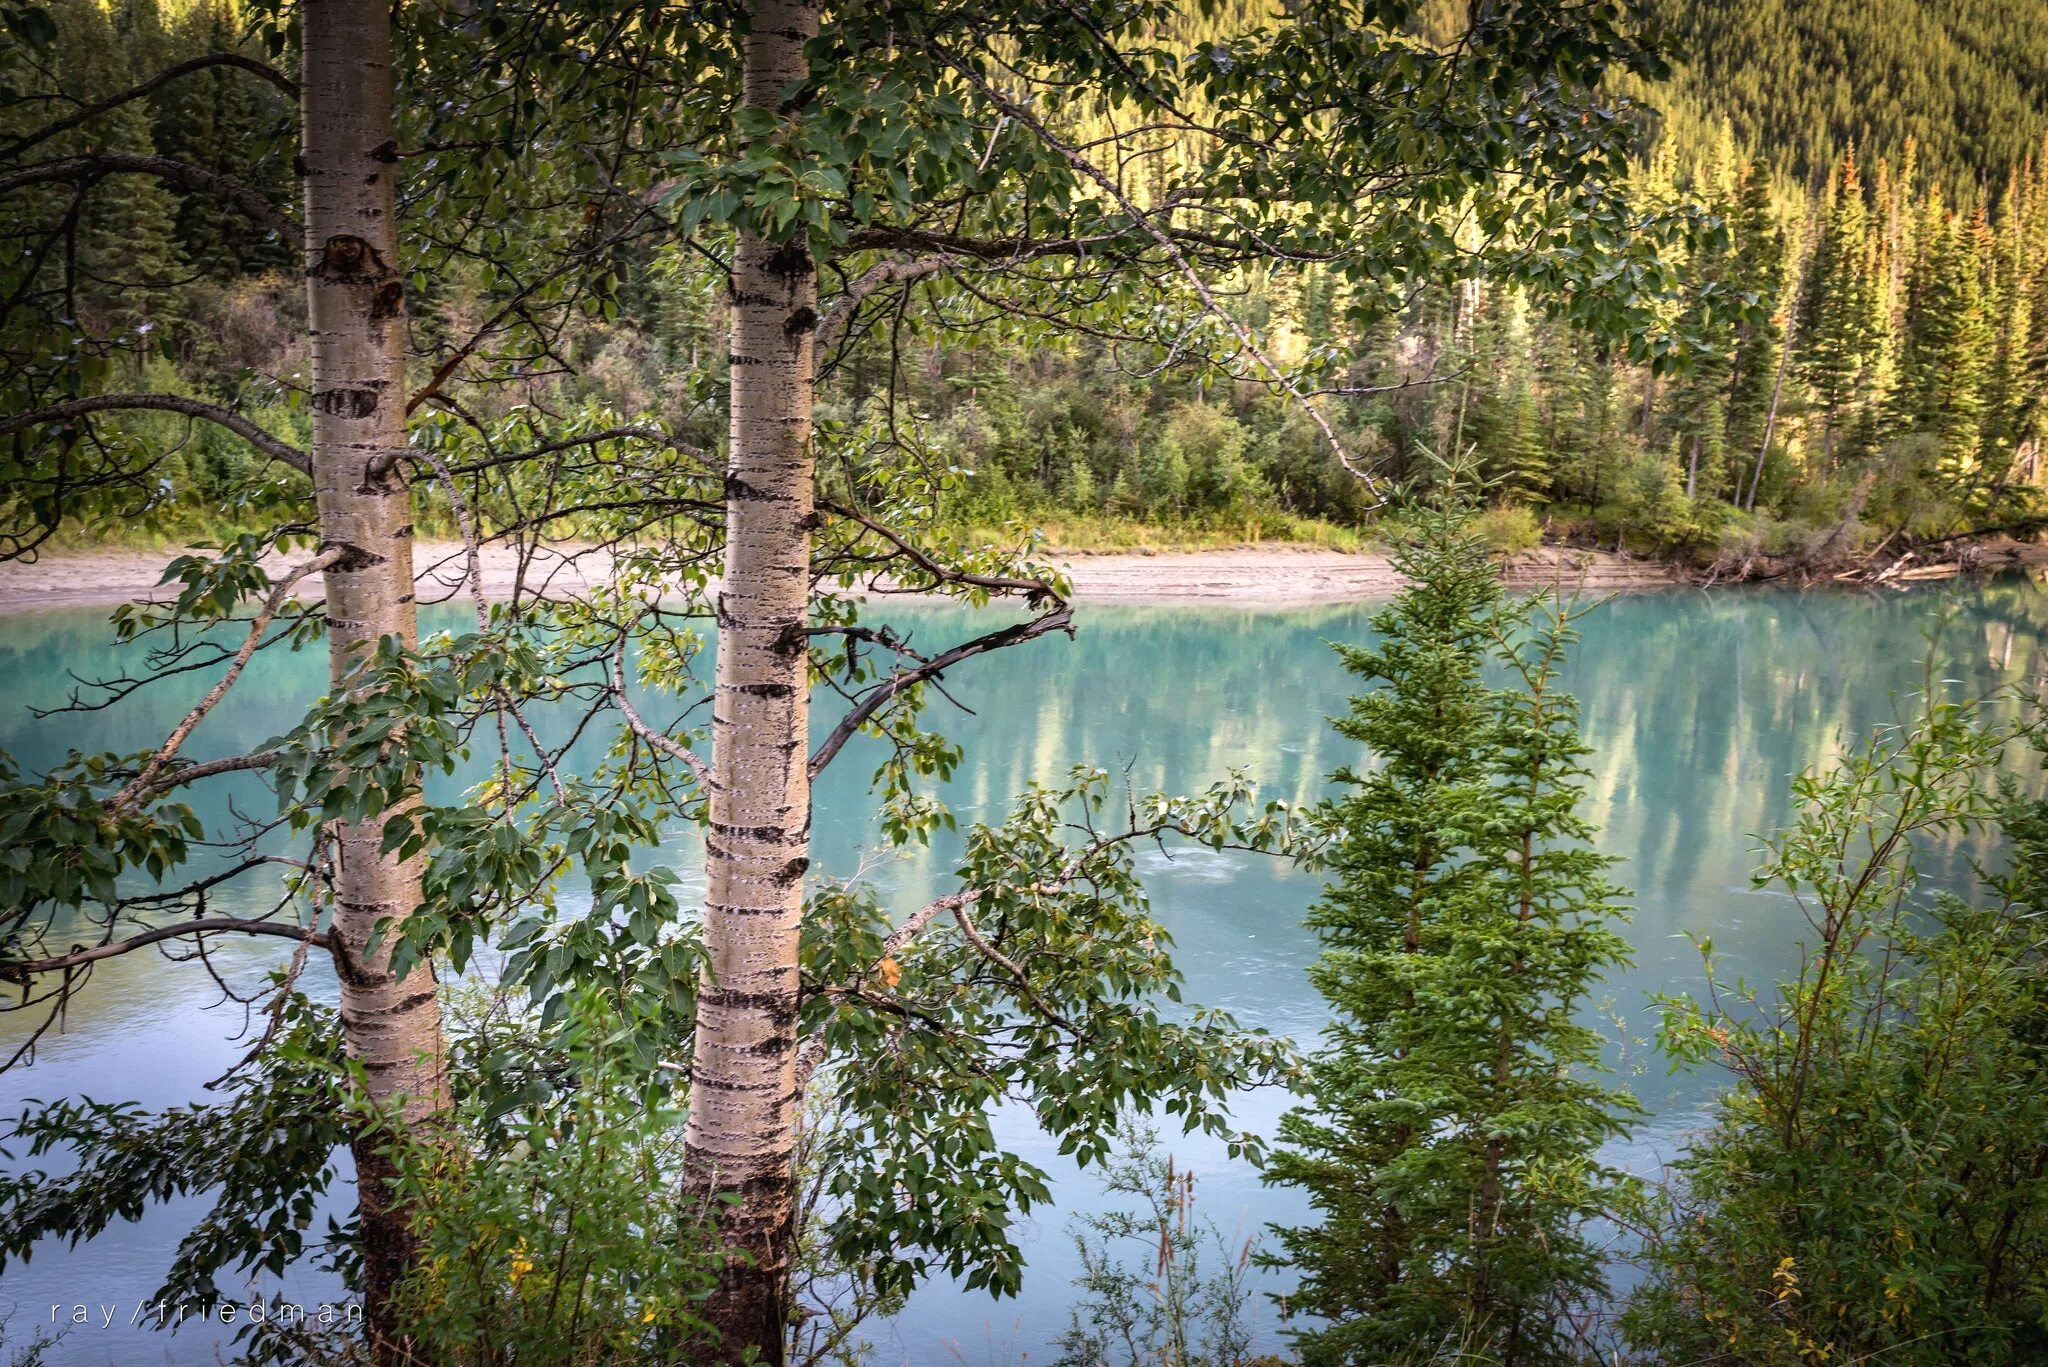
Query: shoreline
{"type": "Point", "coordinates": [1274, 574]}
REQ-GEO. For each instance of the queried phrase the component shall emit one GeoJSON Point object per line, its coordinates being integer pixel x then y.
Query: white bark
{"type": "Point", "coordinates": [743, 1092]}
{"type": "Point", "coordinates": [356, 302]}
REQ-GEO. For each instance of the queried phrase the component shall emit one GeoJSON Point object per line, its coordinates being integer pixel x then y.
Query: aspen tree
{"type": "Point", "coordinates": [355, 296]}
{"type": "Point", "coordinates": [741, 1138]}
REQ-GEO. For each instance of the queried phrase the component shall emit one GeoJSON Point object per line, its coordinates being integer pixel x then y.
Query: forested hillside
{"type": "Point", "coordinates": [1804, 80]}
{"type": "Point", "coordinates": [1887, 377]}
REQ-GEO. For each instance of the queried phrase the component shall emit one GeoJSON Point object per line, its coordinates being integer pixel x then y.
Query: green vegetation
{"type": "Point", "coordinates": [1910, 285]}
{"type": "Point", "coordinates": [560, 1230]}
{"type": "Point", "coordinates": [784, 309]}
{"type": "Point", "coordinates": [1803, 81]}
{"type": "Point", "coordinates": [1449, 1142]}
{"type": "Point", "coordinates": [1872, 1186]}
{"type": "Point", "coordinates": [1159, 1282]}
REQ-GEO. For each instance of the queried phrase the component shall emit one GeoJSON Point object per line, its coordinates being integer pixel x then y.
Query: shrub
{"type": "Point", "coordinates": [1182, 1300]}
{"type": "Point", "coordinates": [1875, 1183]}
{"type": "Point", "coordinates": [1510, 528]}
{"type": "Point", "coordinates": [559, 1233]}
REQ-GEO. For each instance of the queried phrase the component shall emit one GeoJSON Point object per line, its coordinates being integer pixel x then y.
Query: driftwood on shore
{"type": "Point", "coordinates": [1892, 563]}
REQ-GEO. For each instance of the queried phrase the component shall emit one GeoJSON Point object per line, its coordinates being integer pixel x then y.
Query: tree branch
{"type": "Point", "coordinates": [97, 166]}
{"type": "Point", "coordinates": [242, 427]}
{"type": "Point", "coordinates": [152, 84]}
{"type": "Point", "coordinates": [665, 744]}
{"type": "Point", "coordinates": [813, 1051]}
{"type": "Point", "coordinates": [205, 925]}
{"type": "Point", "coordinates": [140, 784]}
{"type": "Point", "coordinates": [1015, 970]}
{"type": "Point", "coordinates": [180, 775]}
{"type": "Point", "coordinates": [872, 701]}
{"type": "Point", "coordinates": [1143, 221]}
{"type": "Point", "coordinates": [381, 465]}
{"type": "Point", "coordinates": [476, 338]}
{"type": "Point", "coordinates": [1037, 592]}
{"type": "Point", "coordinates": [838, 318]}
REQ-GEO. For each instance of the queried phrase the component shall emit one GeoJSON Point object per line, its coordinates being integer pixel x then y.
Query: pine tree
{"type": "Point", "coordinates": [223, 121]}
{"type": "Point", "coordinates": [127, 251]}
{"type": "Point", "coordinates": [1699, 402]}
{"type": "Point", "coordinates": [1759, 271]}
{"type": "Point", "coordinates": [1448, 1146]}
{"type": "Point", "coordinates": [2008, 385]}
{"type": "Point", "coordinates": [1843, 328]}
{"type": "Point", "coordinates": [1948, 349]}
{"type": "Point", "coordinates": [1523, 458]}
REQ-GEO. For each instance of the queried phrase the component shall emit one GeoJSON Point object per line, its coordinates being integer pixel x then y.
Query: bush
{"type": "Point", "coordinates": [1875, 1184]}
{"type": "Point", "coordinates": [1167, 1305]}
{"type": "Point", "coordinates": [559, 1233]}
{"type": "Point", "coordinates": [1510, 528]}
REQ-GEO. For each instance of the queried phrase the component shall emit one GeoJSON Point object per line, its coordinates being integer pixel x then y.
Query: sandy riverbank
{"type": "Point", "coordinates": [1270, 575]}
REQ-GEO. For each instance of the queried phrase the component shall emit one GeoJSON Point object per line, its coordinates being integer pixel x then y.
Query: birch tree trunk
{"type": "Point", "coordinates": [355, 295]}
{"type": "Point", "coordinates": [741, 1137]}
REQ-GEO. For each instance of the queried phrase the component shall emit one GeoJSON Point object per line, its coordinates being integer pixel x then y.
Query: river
{"type": "Point", "coordinates": [1699, 706]}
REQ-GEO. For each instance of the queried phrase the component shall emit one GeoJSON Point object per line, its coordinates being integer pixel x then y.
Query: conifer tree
{"type": "Point", "coordinates": [1524, 459]}
{"type": "Point", "coordinates": [1948, 349]}
{"type": "Point", "coordinates": [1842, 331]}
{"type": "Point", "coordinates": [1449, 1144]}
{"type": "Point", "coordinates": [127, 250]}
{"type": "Point", "coordinates": [1759, 269]}
{"type": "Point", "coordinates": [1699, 400]}
{"type": "Point", "coordinates": [2008, 385]}
{"type": "Point", "coordinates": [221, 121]}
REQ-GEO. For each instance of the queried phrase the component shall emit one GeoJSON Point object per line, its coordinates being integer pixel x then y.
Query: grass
{"type": "Point", "coordinates": [174, 529]}
{"type": "Point", "coordinates": [1070, 532]}
{"type": "Point", "coordinates": [1088, 533]}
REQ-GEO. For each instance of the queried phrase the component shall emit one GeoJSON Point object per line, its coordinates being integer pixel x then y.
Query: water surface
{"type": "Point", "coordinates": [1699, 705]}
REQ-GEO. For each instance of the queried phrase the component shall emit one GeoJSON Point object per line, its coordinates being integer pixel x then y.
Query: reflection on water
{"type": "Point", "coordinates": [1700, 706]}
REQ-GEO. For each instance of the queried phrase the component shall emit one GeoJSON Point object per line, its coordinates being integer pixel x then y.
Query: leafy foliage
{"type": "Point", "coordinates": [1872, 1183]}
{"type": "Point", "coordinates": [1052, 985]}
{"type": "Point", "coordinates": [559, 1232]}
{"type": "Point", "coordinates": [266, 1156]}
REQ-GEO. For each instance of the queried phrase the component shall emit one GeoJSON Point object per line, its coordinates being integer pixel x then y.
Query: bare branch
{"type": "Point", "coordinates": [140, 784]}
{"type": "Point", "coordinates": [476, 338]}
{"type": "Point", "coordinates": [1037, 592]}
{"type": "Point", "coordinates": [874, 699]}
{"type": "Point", "coordinates": [242, 427]}
{"type": "Point", "coordinates": [506, 703]}
{"type": "Point", "coordinates": [1007, 250]}
{"type": "Point", "coordinates": [97, 166]}
{"type": "Point", "coordinates": [204, 925]}
{"type": "Point", "coordinates": [1360, 390]}
{"type": "Point", "coordinates": [665, 744]}
{"type": "Point", "coordinates": [832, 328]}
{"type": "Point", "coordinates": [382, 464]}
{"type": "Point", "coordinates": [180, 775]}
{"type": "Point", "coordinates": [149, 86]}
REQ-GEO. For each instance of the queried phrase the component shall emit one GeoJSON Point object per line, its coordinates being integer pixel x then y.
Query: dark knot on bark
{"type": "Point", "coordinates": [349, 260]}
{"type": "Point", "coordinates": [389, 303]}
{"type": "Point", "coordinates": [791, 258]}
{"type": "Point", "coordinates": [346, 403]}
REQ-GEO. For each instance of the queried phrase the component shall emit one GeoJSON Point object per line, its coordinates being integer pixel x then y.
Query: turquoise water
{"type": "Point", "coordinates": [1699, 705]}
